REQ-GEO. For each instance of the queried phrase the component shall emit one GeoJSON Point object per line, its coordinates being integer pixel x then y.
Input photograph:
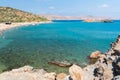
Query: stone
{"type": "Point", "coordinates": [68, 78]}
{"type": "Point", "coordinates": [98, 72]}
{"type": "Point", "coordinates": [61, 76]}
{"type": "Point", "coordinates": [76, 72]}
{"type": "Point", "coordinates": [116, 78]}
{"type": "Point", "coordinates": [23, 69]}
{"type": "Point", "coordinates": [50, 76]}
{"type": "Point", "coordinates": [42, 71]}
{"type": "Point", "coordinates": [102, 59]}
{"type": "Point", "coordinates": [108, 74]}
{"type": "Point", "coordinates": [61, 64]}
{"type": "Point", "coordinates": [118, 64]}
{"type": "Point", "coordinates": [89, 72]}
{"type": "Point", "coordinates": [95, 54]}
{"type": "Point", "coordinates": [27, 73]}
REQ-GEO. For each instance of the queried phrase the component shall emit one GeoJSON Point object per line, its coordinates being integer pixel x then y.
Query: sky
{"type": "Point", "coordinates": [109, 8]}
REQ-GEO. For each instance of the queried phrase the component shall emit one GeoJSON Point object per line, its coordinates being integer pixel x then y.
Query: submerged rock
{"type": "Point", "coordinates": [61, 64]}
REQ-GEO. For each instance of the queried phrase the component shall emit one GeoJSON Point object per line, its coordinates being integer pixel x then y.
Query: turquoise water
{"type": "Point", "coordinates": [35, 45]}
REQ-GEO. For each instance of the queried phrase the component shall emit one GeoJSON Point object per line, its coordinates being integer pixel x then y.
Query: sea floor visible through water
{"type": "Point", "coordinates": [71, 41]}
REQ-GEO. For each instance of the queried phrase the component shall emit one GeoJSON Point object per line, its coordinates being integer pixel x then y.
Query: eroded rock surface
{"type": "Point", "coordinates": [76, 72]}
{"type": "Point", "coordinates": [95, 54]}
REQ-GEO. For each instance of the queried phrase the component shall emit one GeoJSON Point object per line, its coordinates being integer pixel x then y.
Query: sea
{"type": "Point", "coordinates": [61, 40]}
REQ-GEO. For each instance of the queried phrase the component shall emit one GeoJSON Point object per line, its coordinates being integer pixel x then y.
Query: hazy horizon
{"type": "Point", "coordinates": [108, 8]}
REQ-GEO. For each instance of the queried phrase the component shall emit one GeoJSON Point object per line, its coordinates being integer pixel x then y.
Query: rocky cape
{"type": "Point", "coordinates": [107, 67]}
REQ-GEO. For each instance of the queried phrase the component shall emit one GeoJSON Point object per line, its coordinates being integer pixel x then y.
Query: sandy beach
{"type": "Point", "coordinates": [4, 27]}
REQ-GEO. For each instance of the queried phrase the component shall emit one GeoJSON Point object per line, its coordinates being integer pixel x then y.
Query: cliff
{"type": "Point", "coordinates": [107, 67]}
{"type": "Point", "coordinates": [15, 15]}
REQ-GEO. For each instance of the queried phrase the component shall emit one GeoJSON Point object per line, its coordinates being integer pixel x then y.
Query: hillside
{"type": "Point", "coordinates": [15, 15]}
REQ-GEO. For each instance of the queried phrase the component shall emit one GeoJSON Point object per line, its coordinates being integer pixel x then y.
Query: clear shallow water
{"type": "Point", "coordinates": [72, 41]}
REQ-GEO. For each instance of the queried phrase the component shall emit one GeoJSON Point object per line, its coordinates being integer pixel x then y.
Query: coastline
{"type": "Point", "coordinates": [107, 67]}
{"type": "Point", "coordinates": [4, 27]}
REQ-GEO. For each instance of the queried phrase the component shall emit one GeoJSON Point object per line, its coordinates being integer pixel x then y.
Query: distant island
{"type": "Point", "coordinates": [83, 18]}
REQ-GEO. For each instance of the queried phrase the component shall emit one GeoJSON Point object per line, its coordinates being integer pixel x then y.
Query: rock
{"type": "Point", "coordinates": [107, 21]}
{"type": "Point", "coordinates": [103, 72]}
{"type": "Point", "coordinates": [102, 59]}
{"type": "Point", "coordinates": [116, 78]}
{"type": "Point", "coordinates": [89, 72]}
{"type": "Point", "coordinates": [95, 54]}
{"type": "Point", "coordinates": [23, 69]}
{"type": "Point", "coordinates": [68, 78]}
{"type": "Point", "coordinates": [27, 73]}
{"type": "Point", "coordinates": [98, 72]}
{"type": "Point", "coordinates": [76, 72]}
{"type": "Point", "coordinates": [50, 76]}
{"type": "Point", "coordinates": [61, 64]}
{"type": "Point", "coordinates": [42, 71]}
{"type": "Point", "coordinates": [61, 76]}
{"type": "Point", "coordinates": [116, 67]}
{"type": "Point", "coordinates": [118, 64]}
{"type": "Point", "coordinates": [108, 74]}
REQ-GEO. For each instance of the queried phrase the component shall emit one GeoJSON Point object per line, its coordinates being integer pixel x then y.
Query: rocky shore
{"type": "Point", "coordinates": [107, 67]}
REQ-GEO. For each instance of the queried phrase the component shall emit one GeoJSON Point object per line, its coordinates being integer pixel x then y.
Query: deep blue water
{"type": "Point", "coordinates": [72, 41]}
{"type": "Point", "coordinates": [67, 20]}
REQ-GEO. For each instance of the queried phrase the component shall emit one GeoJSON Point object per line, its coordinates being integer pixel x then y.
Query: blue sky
{"type": "Point", "coordinates": [109, 8]}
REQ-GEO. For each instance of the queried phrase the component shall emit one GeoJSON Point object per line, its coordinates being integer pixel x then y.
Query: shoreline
{"type": "Point", "coordinates": [4, 27]}
{"type": "Point", "coordinates": [107, 67]}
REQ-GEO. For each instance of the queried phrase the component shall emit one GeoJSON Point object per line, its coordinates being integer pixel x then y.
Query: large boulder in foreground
{"type": "Point", "coordinates": [27, 73]}
{"type": "Point", "coordinates": [95, 54]}
{"type": "Point", "coordinates": [76, 72]}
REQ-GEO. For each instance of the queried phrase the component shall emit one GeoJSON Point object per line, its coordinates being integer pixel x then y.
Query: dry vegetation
{"type": "Point", "coordinates": [15, 15]}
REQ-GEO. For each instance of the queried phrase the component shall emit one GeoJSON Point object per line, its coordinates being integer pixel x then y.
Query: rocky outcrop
{"type": "Point", "coordinates": [27, 73]}
{"type": "Point", "coordinates": [61, 76]}
{"type": "Point", "coordinates": [107, 67]}
{"type": "Point", "coordinates": [76, 72]}
{"type": "Point", "coordinates": [95, 54]}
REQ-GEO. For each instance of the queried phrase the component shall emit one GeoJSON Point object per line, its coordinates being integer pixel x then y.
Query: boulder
{"type": "Point", "coordinates": [49, 76]}
{"type": "Point", "coordinates": [61, 76]}
{"type": "Point", "coordinates": [76, 72]}
{"type": "Point", "coordinates": [95, 54]}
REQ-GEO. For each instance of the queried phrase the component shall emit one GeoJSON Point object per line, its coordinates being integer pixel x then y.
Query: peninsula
{"type": "Point", "coordinates": [16, 17]}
